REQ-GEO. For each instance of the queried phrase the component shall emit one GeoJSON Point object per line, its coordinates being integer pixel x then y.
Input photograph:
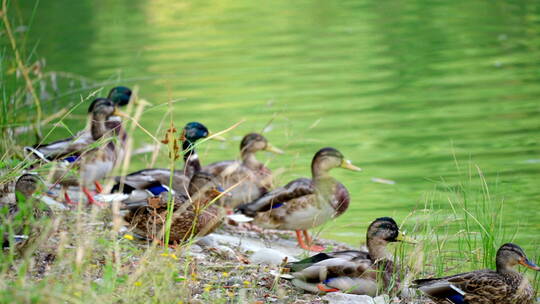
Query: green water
{"type": "Point", "coordinates": [400, 88]}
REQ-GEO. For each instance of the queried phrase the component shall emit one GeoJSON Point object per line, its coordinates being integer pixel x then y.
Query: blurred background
{"type": "Point", "coordinates": [423, 95]}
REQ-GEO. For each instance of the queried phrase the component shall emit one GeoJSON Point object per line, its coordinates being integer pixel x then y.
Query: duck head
{"type": "Point", "coordinates": [509, 255]}
{"type": "Point", "coordinates": [204, 186]}
{"type": "Point", "coordinates": [387, 230]}
{"type": "Point", "coordinates": [328, 158]}
{"type": "Point", "coordinates": [27, 185]}
{"type": "Point", "coordinates": [382, 231]}
{"type": "Point", "coordinates": [254, 142]}
{"type": "Point", "coordinates": [120, 95]}
{"type": "Point", "coordinates": [103, 108]}
{"type": "Point", "coordinates": [194, 131]}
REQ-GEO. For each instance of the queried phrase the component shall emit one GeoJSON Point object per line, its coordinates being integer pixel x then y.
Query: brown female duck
{"type": "Point", "coordinates": [304, 203]}
{"type": "Point", "coordinates": [359, 272]}
{"type": "Point", "coordinates": [193, 214]}
{"type": "Point", "coordinates": [505, 285]}
{"type": "Point", "coordinates": [25, 212]}
{"type": "Point", "coordinates": [254, 177]}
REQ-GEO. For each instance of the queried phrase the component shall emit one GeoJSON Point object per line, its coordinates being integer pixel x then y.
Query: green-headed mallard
{"type": "Point", "coordinates": [82, 165]}
{"type": "Point", "coordinates": [143, 179]}
{"type": "Point", "coordinates": [192, 213]}
{"type": "Point", "coordinates": [505, 285]}
{"type": "Point", "coordinates": [354, 271]}
{"type": "Point", "coordinates": [304, 203]}
{"type": "Point", "coordinates": [254, 177]}
{"type": "Point", "coordinates": [22, 214]}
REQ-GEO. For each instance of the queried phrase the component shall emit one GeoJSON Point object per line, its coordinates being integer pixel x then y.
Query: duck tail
{"type": "Point", "coordinates": [36, 153]}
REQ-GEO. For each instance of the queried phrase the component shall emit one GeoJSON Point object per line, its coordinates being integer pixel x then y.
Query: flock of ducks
{"type": "Point", "coordinates": [199, 198]}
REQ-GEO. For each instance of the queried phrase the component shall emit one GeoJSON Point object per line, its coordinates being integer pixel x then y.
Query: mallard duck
{"type": "Point", "coordinates": [254, 177]}
{"type": "Point", "coordinates": [93, 162]}
{"type": "Point", "coordinates": [505, 285]}
{"type": "Point", "coordinates": [304, 203]}
{"type": "Point", "coordinates": [22, 215]}
{"type": "Point", "coordinates": [354, 271]}
{"type": "Point", "coordinates": [120, 96]}
{"type": "Point", "coordinates": [192, 214]}
{"type": "Point", "coordinates": [142, 179]}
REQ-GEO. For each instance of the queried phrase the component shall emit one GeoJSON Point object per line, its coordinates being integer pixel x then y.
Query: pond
{"type": "Point", "coordinates": [417, 93]}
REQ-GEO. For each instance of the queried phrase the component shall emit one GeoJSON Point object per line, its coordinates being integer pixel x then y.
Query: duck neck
{"type": "Point", "coordinates": [97, 126]}
{"type": "Point", "coordinates": [506, 270]}
{"type": "Point", "coordinates": [249, 160]}
{"type": "Point", "coordinates": [191, 159]}
{"type": "Point", "coordinates": [377, 249]}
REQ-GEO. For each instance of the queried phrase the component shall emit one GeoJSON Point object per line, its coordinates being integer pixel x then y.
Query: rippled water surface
{"type": "Point", "coordinates": [415, 92]}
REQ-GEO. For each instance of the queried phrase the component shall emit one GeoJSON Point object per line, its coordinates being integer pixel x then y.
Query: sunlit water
{"type": "Point", "coordinates": [415, 92]}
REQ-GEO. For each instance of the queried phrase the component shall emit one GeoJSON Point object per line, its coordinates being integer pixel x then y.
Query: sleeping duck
{"type": "Point", "coordinates": [370, 272]}
{"type": "Point", "coordinates": [304, 203]}
{"type": "Point", "coordinates": [505, 285]}
{"type": "Point", "coordinates": [254, 177]}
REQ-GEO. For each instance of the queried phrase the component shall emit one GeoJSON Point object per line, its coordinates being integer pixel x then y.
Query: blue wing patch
{"type": "Point", "coordinates": [457, 299]}
{"type": "Point", "coordinates": [157, 190]}
{"type": "Point", "coordinates": [274, 206]}
{"type": "Point", "coordinates": [71, 159]}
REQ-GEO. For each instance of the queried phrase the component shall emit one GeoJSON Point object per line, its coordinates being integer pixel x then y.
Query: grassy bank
{"type": "Point", "coordinates": [81, 257]}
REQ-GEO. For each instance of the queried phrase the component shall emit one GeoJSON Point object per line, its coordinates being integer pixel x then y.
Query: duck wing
{"type": "Point", "coordinates": [275, 198]}
{"type": "Point", "coordinates": [481, 284]}
{"type": "Point", "coordinates": [219, 168]}
{"type": "Point", "coordinates": [63, 147]}
{"type": "Point", "coordinates": [145, 178]}
{"type": "Point", "coordinates": [345, 254]}
{"type": "Point", "coordinates": [333, 268]}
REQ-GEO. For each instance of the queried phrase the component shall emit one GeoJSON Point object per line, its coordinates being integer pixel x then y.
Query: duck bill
{"type": "Point", "coordinates": [346, 164]}
{"type": "Point", "coordinates": [273, 149]}
{"type": "Point", "coordinates": [220, 191]}
{"type": "Point", "coordinates": [405, 239]}
{"type": "Point", "coordinates": [525, 262]}
{"type": "Point", "coordinates": [119, 113]}
{"type": "Point", "coordinates": [216, 137]}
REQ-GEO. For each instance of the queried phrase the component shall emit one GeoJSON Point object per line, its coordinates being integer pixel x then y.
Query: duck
{"type": "Point", "coordinates": [143, 179]}
{"type": "Point", "coordinates": [304, 203]}
{"type": "Point", "coordinates": [81, 165]}
{"type": "Point", "coordinates": [43, 152]}
{"type": "Point", "coordinates": [194, 213]}
{"type": "Point", "coordinates": [354, 271]}
{"type": "Point", "coordinates": [254, 177]}
{"type": "Point", "coordinates": [120, 96]}
{"type": "Point", "coordinates": [24, 213]}
{"type": "Point", "coordinates": [504, 285]}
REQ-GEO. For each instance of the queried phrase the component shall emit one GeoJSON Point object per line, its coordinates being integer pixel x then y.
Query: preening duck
{"type": "Point", "coordinates": [304, 203]}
